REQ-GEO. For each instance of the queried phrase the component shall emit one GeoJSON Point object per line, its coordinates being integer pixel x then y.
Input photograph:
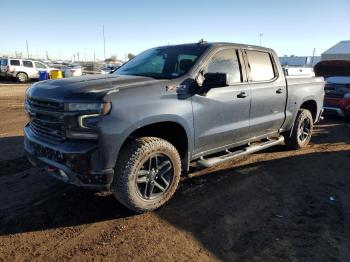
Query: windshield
{"type": "Point", "coordinates": [163, 62]}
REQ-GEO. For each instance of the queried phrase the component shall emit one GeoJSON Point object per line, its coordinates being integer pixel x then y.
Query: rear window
{"type": "Point", "coordinates": [3, 62]}
{"type": "Point", "coordinates": [261, 67]}
{"type": "Point", "coordinates": [14, 62]}
{"type": "Point", "coordinates": [27, 63]}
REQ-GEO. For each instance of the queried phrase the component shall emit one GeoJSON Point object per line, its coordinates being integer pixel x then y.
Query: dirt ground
{"type": "Point", "coordinates": [278, 205]}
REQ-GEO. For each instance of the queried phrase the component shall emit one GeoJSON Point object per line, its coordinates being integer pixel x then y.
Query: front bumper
{"type": "Point", "coordinates": [74, 162]}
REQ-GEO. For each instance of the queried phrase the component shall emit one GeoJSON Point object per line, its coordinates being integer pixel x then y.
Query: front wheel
{"type": "Point", "coordinates": [147, 174]}
{"type": "Point", "coordinates": [302, 130]}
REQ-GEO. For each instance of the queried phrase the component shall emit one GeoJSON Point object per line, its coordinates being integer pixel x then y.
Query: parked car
{"type": "Point", "coordinates": [136, 131]}
{"type": "Point", "coordinates": [298, 71]}
{"type": "Point", "coordinates": [337, 96]}
{"type": "Point", "coordinates": [22, 69]}
{"type": "Point", "coordinates": [337, 89]}
{"type": "Point", "coordinates": [72, 70]}
{"type": "Point", "coordinates": [109, 69]}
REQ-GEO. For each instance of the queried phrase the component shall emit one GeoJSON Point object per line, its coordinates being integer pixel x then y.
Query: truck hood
{"type": "Point", "coordinates": [91, 87]}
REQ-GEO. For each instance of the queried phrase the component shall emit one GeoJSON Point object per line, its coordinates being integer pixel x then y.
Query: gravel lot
{"type": "Point", "coordinates": [278, 205]}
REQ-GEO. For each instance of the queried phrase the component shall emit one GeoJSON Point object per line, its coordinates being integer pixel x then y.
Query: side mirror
{"type": "Point", "coordinates": [213, 80]}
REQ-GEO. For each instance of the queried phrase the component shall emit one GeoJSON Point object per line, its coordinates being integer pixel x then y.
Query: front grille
{"type": "Point", "coordinates": [336, 90]}
{"type": "Point", "coordinates": [45, 105]}
{"type": "Point", "coordinates": [332, 94]}
{"type": "Point", "coordinates": [46, 119]}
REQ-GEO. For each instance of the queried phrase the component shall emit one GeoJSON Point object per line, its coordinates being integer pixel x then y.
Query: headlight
{"type": "Point", "coordinates": [347, 95]}
{"type": "Point", "coordinates": [100, 108]}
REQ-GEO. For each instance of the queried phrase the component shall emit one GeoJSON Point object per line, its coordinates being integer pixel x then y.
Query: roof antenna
{"type": "Point", "coordinates": [201, 41]}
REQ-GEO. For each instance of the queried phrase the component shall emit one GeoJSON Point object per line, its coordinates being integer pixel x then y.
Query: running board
{"type": "Point", "coordinates": [205, 163]}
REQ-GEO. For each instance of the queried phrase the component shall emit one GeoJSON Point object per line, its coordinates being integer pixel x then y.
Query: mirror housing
{"type": "Point", "coordinates": [214, 80]}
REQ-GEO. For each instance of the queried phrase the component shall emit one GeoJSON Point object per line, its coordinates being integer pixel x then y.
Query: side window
{"type": "Point", "coordinates": [39, 65]}
{"type": "Point", "coordinates": [27, 63]}
{"type": "Point", "coordinates": [14, 62]}
{"type": "Point", "coordinates": [225, 61]}
{"type": "Point", "coordinates": [261, 67]}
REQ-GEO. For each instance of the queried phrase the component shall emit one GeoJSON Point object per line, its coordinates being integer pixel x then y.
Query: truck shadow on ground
{"type": "Point", "coordinates": [266, 208]}
{"type": "Point", "coordinates": [294, 205]}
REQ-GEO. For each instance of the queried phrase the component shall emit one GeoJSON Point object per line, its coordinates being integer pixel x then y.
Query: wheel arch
{"type": "Point", "coordinates": [310, 105]}
{"type": "Point", "coordinates": [171, 131]}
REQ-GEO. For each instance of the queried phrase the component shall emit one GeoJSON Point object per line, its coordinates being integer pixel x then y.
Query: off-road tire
{"type": "Point", "coordinates": [292, 139]}
{"type": "Point", "coordinates": [132, 157]}
{"type": "Point", "coordinates": [22, 77]}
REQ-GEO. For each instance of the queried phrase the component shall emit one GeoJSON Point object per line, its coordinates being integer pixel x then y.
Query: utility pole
{"type": "Point", "coordinates": [73, 57]}
{"type": "Point", "coordinates": [78, 56]}
{"type": "Point", "coordinates": [94, 57]}
{"type": "Point", "coordinates": [27, 49]}
{"type": "Point", "coordinates": [313, 57]}
{"type": "Point", "coordinates": [260, 37]}
{"type": "Point", "coordinates": [104, 42]}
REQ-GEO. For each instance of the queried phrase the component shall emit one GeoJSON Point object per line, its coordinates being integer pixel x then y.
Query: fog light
{"type": "Point", "coordinates": [63, 174]}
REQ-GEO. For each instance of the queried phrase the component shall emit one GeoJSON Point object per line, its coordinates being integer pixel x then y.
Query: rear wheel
{"type": "Point", "coordinates": [302, 130]}
{"type": "Point", "coordinates": [147, 174]}
{"type": "Point", "coordinates": [22, 77]}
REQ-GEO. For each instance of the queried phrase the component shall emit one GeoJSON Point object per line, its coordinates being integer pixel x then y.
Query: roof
{"type": "Point", "coordinates": [208, 44]}
{"type": "Point", "coordinates": [343, 47]}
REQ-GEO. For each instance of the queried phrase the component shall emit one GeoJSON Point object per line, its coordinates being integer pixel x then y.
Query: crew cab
{"type": "Point", "coordinates": [136, 131]}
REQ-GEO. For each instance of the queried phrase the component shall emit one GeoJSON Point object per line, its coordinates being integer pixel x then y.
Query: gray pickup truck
{"type": "Point", "coordinates": [136, 131]}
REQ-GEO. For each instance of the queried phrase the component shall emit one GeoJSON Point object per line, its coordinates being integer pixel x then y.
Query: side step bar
{"type": "Point", "coordinates": [209, 162]}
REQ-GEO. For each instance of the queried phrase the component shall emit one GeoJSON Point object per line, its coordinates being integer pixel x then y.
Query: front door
{"type": "Point", "coordinates": [221, 116]}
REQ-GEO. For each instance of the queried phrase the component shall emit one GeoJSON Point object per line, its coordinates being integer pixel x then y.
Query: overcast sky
{"type": "Point", "coordinates": [65, 27]}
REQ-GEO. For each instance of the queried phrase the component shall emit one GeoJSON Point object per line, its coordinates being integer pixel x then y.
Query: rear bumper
{"type": "Point", "coordinates": [71, 162]}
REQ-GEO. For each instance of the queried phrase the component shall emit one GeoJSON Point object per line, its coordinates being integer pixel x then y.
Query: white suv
{"type": "Point", "coordinates": [22, 69]}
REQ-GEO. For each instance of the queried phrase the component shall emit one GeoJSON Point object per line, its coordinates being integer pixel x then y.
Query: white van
{"type": "Point", "coordinates": [21, 69]}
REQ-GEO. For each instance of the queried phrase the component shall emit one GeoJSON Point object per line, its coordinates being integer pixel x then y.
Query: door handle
{"type": "Point", "coordinates": [242, 95]}
{"type": "Point", "coordinates": [279, 91]}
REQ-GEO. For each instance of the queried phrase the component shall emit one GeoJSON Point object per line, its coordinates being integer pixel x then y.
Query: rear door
{"type": "Point", "coordinates": [29, 68]}
{"type": "Point", "coordinates": [221, 116]}
{"type": "Point", "coordinates": [14, 65]}
{"type": "Point", "coordinates": [268, 93]}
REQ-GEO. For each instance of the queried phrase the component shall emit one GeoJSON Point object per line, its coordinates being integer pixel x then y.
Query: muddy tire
{"type": "Point", "coordinates": [147, 174]}
{"type": "Point", "coordinates": [22, 77]}
{"type": "Point", "coordinates": [302, 130]}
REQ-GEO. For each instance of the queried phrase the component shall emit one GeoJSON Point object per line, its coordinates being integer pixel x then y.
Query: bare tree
{"type": "Point", "coordinates": [130, 56]}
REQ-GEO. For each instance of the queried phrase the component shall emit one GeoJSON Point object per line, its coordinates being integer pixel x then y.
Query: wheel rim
{"type": "Point", "coordinates": [304, 130]}
{"type": "Point", "coordinates": [154, 177]}
{"type": "Point", "coordinates": [22, 77]}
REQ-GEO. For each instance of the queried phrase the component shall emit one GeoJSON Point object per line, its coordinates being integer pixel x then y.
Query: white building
{"type": "Point", "coordinates": [299, 61]}
{"type": "Point", "coordinates": [340, 51]}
